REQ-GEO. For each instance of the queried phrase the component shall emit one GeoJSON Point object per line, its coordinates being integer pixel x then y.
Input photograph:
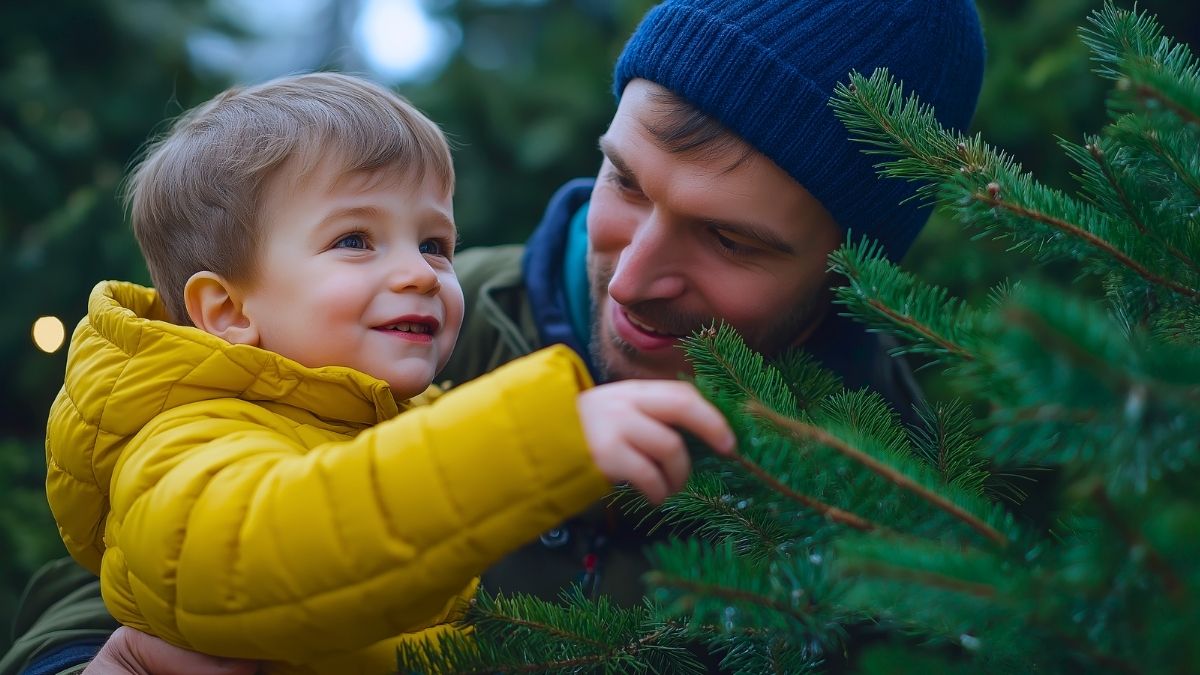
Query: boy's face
{"type": "Point", "coordinates": [676, 241]}
{"type": "Point", "coordinates": [355, 271]}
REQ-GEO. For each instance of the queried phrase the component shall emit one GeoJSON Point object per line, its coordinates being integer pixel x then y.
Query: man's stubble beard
{"type": "Point", "coordinates": [782, 336]}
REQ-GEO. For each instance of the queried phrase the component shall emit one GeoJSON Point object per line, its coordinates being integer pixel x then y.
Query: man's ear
{"type": "Point", "coordinates": [215, 307]}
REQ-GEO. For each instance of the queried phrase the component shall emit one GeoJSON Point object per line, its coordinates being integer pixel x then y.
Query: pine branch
{"type": "Point", "coordinates": [714, 586]}
{"type": "Point", "coordinates": [974, 174]}
{"type": "Point", "coordinates": [832, 513]}
{"type": "Point", "coordinates": [757, 653]}
{"type": "Point", "coordinates": [1058, 341]}
{"type": "Point", "coordinates": [1168, 148]}
{"type": "Point", "coordinates": [923, 578]}
{"type": "Point", "coordinates": [809, 382]}
{"type": "Point", "coordinates": [945, 441]}
{"type": "Point", "coordinates": [706, 506]}
{"type": "Point", "coordinates": [808, 432]}
{"type": "Point", "coordinates": [721, 359]}
{"type": "Point", "coordinates": [1129, 47]}
{"type": "Point", "coordinates": [886, 297]}
{"type": "Point", "coordinates": [1171, 581]}
{"type": "Point", "coordinates": [737, 595]}
{"type": "Point", "coordinates": [992, 199]}
{"type": "Point", "coordinates": [1121, 191]}
{"type": "Point", "coordinates": [527, 635]}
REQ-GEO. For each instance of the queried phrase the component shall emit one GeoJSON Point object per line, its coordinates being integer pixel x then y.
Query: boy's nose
{"type": "Point", "coordinates": [414, 273]}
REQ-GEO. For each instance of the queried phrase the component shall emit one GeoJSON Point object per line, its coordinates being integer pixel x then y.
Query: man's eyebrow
{"type": "Point", "coordinates": [745, 230]}
{"type": "Point", "coordinates": [610, 153]}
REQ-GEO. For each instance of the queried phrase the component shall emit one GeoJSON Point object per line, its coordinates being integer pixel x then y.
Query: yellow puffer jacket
{"type": "Point", "coordinates": [237, 503]}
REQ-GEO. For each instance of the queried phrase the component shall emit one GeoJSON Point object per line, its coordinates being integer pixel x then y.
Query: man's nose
{"type": "Point", "coordinates": [412, 272]}
{"type": "Point", "coordinates": [650, 266]}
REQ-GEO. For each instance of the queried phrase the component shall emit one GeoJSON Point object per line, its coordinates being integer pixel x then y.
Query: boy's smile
{"type": "Point", "coordinates": [356, 271]}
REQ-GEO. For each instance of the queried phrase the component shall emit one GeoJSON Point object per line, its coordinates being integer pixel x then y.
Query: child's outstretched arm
{"type": "Point", "coordinates": [240, 535]}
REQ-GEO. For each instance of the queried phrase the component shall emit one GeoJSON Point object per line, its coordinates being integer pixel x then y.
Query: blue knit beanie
{"type": "Point", "coordinates": [766, 70]}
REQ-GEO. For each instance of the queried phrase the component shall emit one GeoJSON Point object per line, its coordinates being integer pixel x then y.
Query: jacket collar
{"type": "Point", "coordinates": [128, 323]}
{"type": "Point", "coordinates": [542, 268]}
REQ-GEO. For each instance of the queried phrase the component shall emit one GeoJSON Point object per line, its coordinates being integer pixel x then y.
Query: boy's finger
{"type": "Point", "coordinates": [662, 445]}
{"type": "Point", "coordinates": [679, 404]}
{"type": "Point", "coordinates": [645, 476]}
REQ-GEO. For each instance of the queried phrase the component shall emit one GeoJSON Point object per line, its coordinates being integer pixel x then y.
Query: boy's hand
{"type": "Point", "coordinates": [632, 429]}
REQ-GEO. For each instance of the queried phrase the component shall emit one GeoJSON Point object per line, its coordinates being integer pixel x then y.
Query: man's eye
{"type": "Point", "coordinates": [354, 241]}
{"type": "Point", "coordinates": [622, 182]}
{"type": "Point", "coordinates": [730, 246]}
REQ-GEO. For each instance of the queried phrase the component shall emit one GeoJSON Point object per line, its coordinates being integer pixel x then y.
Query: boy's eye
{"type": "Point", "coordinates": [432, 247]}
{"type": "Point", "coordinates": [355, 241]}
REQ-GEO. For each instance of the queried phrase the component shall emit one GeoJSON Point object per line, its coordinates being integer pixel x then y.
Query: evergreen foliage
{"type": "Point", "coordinates": [833, 514]}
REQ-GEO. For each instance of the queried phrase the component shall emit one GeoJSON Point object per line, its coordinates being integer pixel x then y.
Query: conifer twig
{"type": "Point", "coordinates": [725, 593]}
{"type": "Point", "coordinates": [1077, 231]}
{"type": "Point", "coordinates": [925, 578]}
{"type": "Point", "coordinates": [723, 507]}
{"type": "Point", "coordinates": [547, 629]}
{"type": "Point", "coordinates": [1050, 336]}
{"type": "Point", "coordinates": [805, 431]}
{"type": "Point", "coordinates": [831, 512]}
{"type": "Point", "coordinates": [1172, 161]}
{"type": "Point", "coordinates": [922, 329]}
{"type": "Point", "coordinates": [1106, 169]}
{"type": "Point", "coordinates": [608, 652]}
{"type": "Point", "coordinates": [1172, 582]}
{"type": "Point", "coordinates": [1148, 92]}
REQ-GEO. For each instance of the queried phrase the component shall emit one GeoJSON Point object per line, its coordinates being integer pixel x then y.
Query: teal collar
{"type": "Point", "coordinates": [575, 278]}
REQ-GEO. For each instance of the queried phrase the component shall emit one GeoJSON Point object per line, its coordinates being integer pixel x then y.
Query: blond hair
{"type": "Point", "coordinates": [193, 197]}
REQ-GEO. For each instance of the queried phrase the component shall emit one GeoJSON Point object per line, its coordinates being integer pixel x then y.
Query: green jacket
{"type": "Point", "coordinates": [61, 606]}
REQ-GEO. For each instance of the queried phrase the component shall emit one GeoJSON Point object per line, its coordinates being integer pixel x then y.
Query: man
{"type": "Point", "coordinates": [726, 181]}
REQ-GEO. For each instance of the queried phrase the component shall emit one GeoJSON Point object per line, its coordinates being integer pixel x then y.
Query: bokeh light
{"type": "Point", "coordinates": [49, 333]}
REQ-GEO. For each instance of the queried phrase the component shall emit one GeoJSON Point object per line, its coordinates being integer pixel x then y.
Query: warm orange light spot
{"type": "Point", "coordinates": [49, 333]}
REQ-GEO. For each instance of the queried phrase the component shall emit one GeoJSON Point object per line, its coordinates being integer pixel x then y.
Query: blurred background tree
{"type": "Point", "coordinates": [521, 86]}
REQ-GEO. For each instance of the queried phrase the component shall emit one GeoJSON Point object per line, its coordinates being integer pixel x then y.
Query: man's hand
{"type": "Point", "coordinates": [131, 652]}
{"type": "Point", "coordinates": [632, 429]}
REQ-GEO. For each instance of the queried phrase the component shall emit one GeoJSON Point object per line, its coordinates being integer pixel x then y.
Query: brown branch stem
{"type": "Point", "coordinates": [925, 578]}
{"type": "Point", "coordinates": [725, 593]}
{"type": "Point", "coordinates": [810, 432]}
{"type": "Point", "coordinates": [922, 329]}
{"type": "Point", "coordinates": [1147, 91]}
{"type": "Point", "coordinates": [833, 513]}
{"type": "Point", "coordinates": [1127, 205]}
{"type": "Point", "coordinates": [1077, 231]}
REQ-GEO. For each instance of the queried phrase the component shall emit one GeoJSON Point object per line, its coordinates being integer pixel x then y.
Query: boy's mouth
{"type": "Point", "coordinates": [419, 325]}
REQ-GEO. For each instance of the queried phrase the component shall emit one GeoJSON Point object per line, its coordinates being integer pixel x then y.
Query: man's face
{"type": "Point", "coordinates": [356, 271]}
{"type": "Point", "coordinates": [677, 241]}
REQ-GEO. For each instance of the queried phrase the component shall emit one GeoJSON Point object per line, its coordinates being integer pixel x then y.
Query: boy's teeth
{"type": "Point", "coordinates": [408, 327]}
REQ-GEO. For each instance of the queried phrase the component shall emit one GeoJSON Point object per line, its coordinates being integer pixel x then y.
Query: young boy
{"type": "Point", "coordinates": [238, 454]}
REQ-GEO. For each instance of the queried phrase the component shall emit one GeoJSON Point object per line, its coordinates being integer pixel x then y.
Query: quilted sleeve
{"type": "Point", "coordinates": [230, 537]}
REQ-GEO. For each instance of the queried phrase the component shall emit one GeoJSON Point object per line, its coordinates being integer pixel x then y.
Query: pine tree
{"type": "Point", "coordinates": [835, 515]}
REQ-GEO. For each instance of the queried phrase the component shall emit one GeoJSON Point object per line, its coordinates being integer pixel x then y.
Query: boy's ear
{"type": "Point", "coordinates": [215, 307]}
